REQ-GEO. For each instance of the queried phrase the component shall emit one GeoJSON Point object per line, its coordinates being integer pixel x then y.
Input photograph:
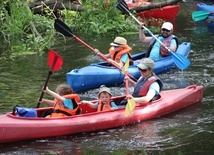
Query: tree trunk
{"type": "Point", "coordinates": [39, 6]}
{"type": "Point", "coordinates": [155, 5]}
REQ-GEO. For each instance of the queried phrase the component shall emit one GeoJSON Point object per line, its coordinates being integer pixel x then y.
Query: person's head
{"type": "Point", "coordinates": [104, 94]}
{"type": "Point", "coordinates": [146, 67]}
{"type": "Point", "coordinates": [64, 89]}
{"type": "Point", "coordinates": [119, 42]}
{"type": "Point", "coordinates": [166, 29]}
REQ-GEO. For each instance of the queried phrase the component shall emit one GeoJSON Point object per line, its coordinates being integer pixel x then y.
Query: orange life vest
{"type": "Point", "coordinates": [61, 111]}
{"type": "Point", "coordinates": [116, 55]}
{"type": "Point", "coordinates": [104, 106]}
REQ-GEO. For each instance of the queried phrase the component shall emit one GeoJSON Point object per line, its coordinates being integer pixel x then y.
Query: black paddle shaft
{"type": "Point", "coordinates": [42, 94]}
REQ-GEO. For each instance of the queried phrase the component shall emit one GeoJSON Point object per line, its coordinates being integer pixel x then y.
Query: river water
{"type": "Point", "coordinates": [185, 132]}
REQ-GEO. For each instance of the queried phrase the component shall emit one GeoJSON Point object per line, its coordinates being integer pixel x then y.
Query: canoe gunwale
{"type": "Point", "coordinates": [18, 129]}
{"type": "Point", "coordinates": [189, 88]}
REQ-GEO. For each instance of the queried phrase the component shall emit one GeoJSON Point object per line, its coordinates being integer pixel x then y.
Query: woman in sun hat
{"type": "Point", "coordinates": [119, 51]}
{"type": "Point", "coordinates": [156, 50]}
{"type": "Point", "coordinates": [104, 102]}
{"type": "Point", "coordinates": [148, 86]}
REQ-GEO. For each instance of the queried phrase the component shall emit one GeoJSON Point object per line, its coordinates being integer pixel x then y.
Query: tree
{"type": "Point", "coordinates": [38, 6]}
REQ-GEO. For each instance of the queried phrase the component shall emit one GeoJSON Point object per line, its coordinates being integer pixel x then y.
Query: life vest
{"type": "Point", "coordinates": [59, 110]}
{"type": "Point", "coordinates": [163, 52]}
{"type": "Point", "coordinates": [116, 55]}
{"type": "Point", "coordinates": [103, 106]}
{"type": "Point", "coordinates": [142, 86]}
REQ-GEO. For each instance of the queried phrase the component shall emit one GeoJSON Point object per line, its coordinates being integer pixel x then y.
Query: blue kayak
{"type": "Point", "coordinates": [101, 73]}
{"type": "Point", "coordinates": [208, 8]}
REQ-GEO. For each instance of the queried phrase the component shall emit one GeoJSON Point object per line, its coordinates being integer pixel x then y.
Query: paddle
{"type": "Point", "coordinates": [131, 102]}
{"type": "Point", "coordinates": [55, 62]}
{"type": "Point", "coordinates": [65, 30]}
{"type": "Point", "coordinates": [200, 15]}
{"type": "Point", "coordinates": [181, 61]}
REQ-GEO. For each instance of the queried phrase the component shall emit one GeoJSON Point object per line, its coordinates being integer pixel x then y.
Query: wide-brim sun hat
{"type": "Point", "coordinates": [167, 25]}
{"type": "Point", "coordinates": [103, 88]}
{"type": "Point", "coordinates": [119, 41]}
{"type": "Point", "coordinates": [146, 63]}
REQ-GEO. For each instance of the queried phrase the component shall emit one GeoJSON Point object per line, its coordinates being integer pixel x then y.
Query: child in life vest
{"type": "Point", "coordinates": [65, 102]}
{"type": "Point", "coordinates": [104, 102]}
{"type": "Point", "coordinates": [119, 52]}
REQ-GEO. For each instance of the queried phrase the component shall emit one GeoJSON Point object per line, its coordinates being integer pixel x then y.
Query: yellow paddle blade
{"type": "Point", "coordinates": [130, 107]}
{"type": "Point", "coordinates": [125, 67]}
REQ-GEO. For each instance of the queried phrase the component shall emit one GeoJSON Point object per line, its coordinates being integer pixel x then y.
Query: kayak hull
{"type": "Point", "coordinates": [14, 128]}
{"type": "Point", "coordinates": [97, 74]}
{"type": "Point", "coordinates": [167, 12]}
{"type": "Point", "coordinates": [209, 8]}
{"type": "Point", "coordinates": [204, 7]}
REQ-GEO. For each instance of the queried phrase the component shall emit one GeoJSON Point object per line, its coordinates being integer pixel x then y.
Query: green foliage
{"type": "Point", "coordinates": [100, 18]}
{"type": "Point", "coordinates": [22, 32]}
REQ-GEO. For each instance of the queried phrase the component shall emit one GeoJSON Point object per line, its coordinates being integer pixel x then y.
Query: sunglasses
{"type": "Point", "coordinates": [165, 30]}
{"type": "Point", "coordinates": [116, 46]}
{"type": "Point", "coordinates": [142, 70]}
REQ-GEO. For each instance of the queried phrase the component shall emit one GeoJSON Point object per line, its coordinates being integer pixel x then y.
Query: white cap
{"type": "Point", "coordinates": [167, 25]}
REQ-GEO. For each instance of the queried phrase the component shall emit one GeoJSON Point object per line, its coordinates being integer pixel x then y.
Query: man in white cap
{"type": "Point", "coordinates": [148, 86]}
{"type": "Point", "coordinates": [156, 50]}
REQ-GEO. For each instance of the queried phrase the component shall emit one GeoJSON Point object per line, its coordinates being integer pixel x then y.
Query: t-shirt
{"type": "Point", "coordinates": [156, 87]}
{"type": "Point", "coordinates": [113, 105]}
{"type": "Point", "coordinates": [124, 58]}
{"type": "Point", "coordinates": [155, 52]}
{"type": "Point", "coordinates": [68, 103]}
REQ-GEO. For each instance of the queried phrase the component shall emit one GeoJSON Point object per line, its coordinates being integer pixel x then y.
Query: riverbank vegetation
{"type": "Point", "coordinates": [23, 32]}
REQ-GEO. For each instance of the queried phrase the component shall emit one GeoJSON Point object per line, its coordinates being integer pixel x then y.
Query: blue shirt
{"type": "Point", "coordinates": [124, 58]}
{"type": "Point", "coordinates": [113, 105]}
{"type": "Point", "coordinates": [155, 52]}
{"type": "Point", "coordinates": [68, 103]}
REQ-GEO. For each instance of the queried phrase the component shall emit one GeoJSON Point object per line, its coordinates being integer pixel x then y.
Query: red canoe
{"type": "Point", "coordinates": [167, 12]}
{"type": "Point", "coordinates": [13, 128]}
